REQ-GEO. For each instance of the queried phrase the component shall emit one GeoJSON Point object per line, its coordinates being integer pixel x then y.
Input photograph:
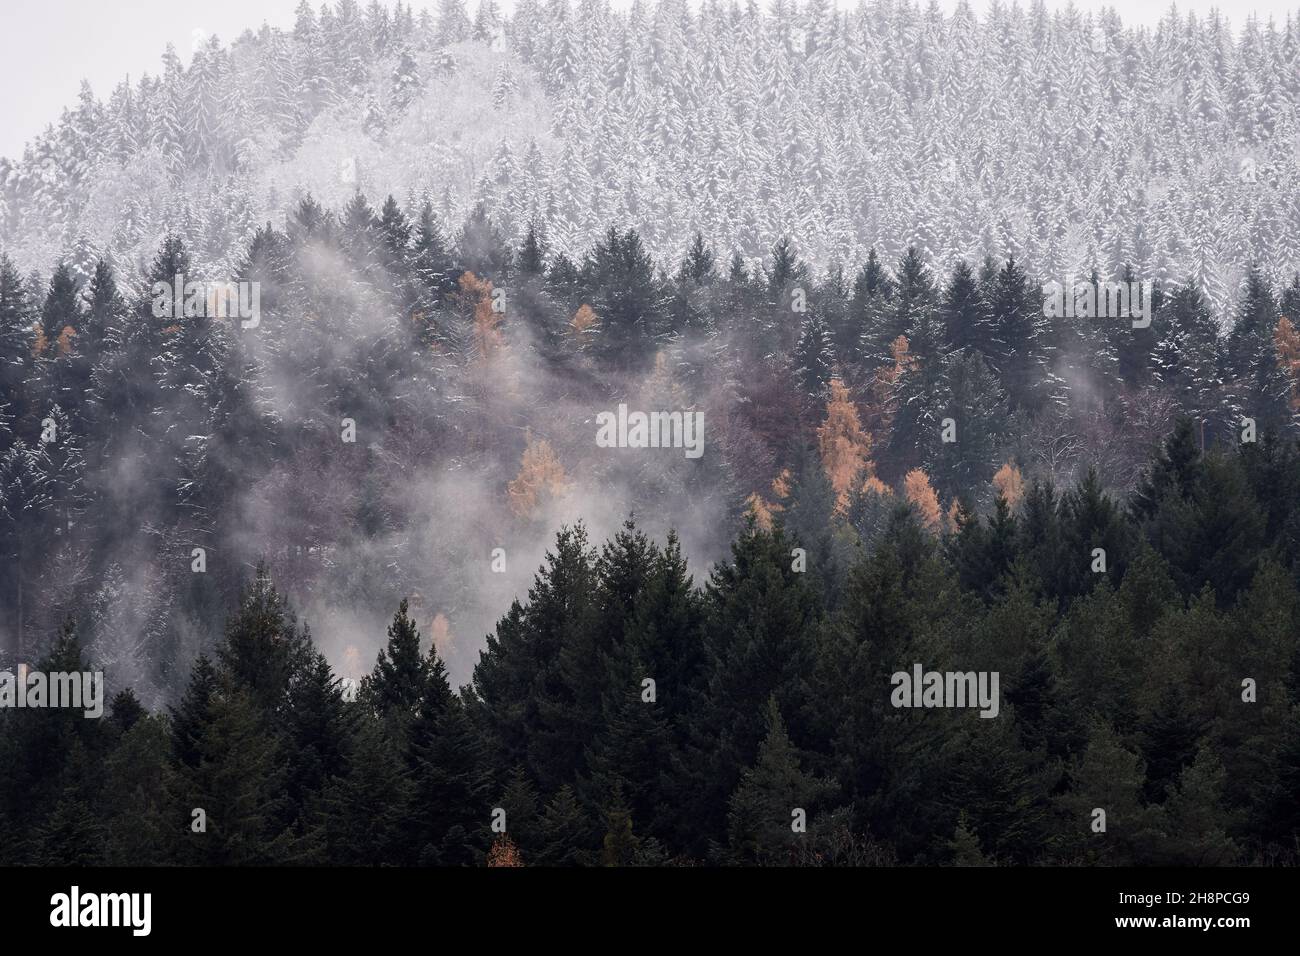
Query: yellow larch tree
{"type": "Point", "coordinates": [917, 489]}
{"type": "Point", "coordinates": [540, 475]}
{"type": "Point", "coordinates": [1287, 339]}
{"type": "Point", "coordinates": [845, 447]}
{"type": "Point", "coordinates": [952, 520]}
{"type": "Point", "coordinates": [761, 509]}
{"type": "Point", "coordinates": [583, 324]}
{"type": "Point", "coordinates": [883, 403]}
{"type": "Point", "coordinates": [1008, 483]}
{"type": "Point", "coordinates": [877, 487]}
{"type": "Point", "coordinates": [488, 339]}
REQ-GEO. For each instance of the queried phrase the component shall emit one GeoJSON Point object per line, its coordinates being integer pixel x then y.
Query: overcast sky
{"type": "Point", "coordinates": [54, 44]}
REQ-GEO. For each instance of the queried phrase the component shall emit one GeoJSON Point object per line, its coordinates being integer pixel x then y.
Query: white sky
{"type": "Point", "coordinates": [51, 45]}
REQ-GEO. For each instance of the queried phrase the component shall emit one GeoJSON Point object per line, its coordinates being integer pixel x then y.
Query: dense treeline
{"type": "Point", "coordinates": [882, 123]}
{"type": "Point", "coordinates": [1120, 690]}
{"type": "Point", "coordinates": [129, 440]}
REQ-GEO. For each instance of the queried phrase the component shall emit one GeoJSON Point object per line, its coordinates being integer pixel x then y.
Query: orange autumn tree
{"type": "Point", "coordinates": [1287, 340]}
{"type": "Point", "coordinates": [504, 853]}
{"type": "Point", "coordinates": [64, 341]}
{"type": "Point", "coordinates": [917, 489]}
{"type": "Point", "coordinates": [583, 323]}
{"type": "Point", "coordinates": [540, 475]}
{"type": "Point", "coordinates": [952, 520]}
{"type": "Point", "coordinates": [877, 487]}
{"type": "Point", "coordinates": [883, 388]}
{"type": "Point", "coordinates": [1008, 483]}
{"type": "Point", "coordinates": [845, 447]}
{"type": "Point", "coordinates": [488, 339]}
{"type": "Point", "coordinates": [761, 509]}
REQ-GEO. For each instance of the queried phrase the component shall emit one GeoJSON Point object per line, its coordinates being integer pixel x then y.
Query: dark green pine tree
{"type": "Point", "coordinates": [1134, 348]}
{"type": "Point", "coordinates": [61, 307]}
{"type": "Point", "coordinates": [690, 308]}
{"type": "Point", "coordinates": [191, 717]}
{"type": "Point", "coordinates": [318, 728]}
{"type": "Point", "coordinates": [449, 780]}
{"type": "Point", "coordinates": [135, 808]}
{"type": "Point", "coordinates": [532, 252]}
{"type": "Point", "coordinates": [1171, 736]}
{"type": "Point", "coordinates": [1175, 471]}
{"type": "Point", "coordinates": [1253, 327]}
{"type": "Point", "coordinates": [973, 399]}
{"type": "Point", "coordinates": [618, 278]}
{"type": "Point", "coordinates": [360, 232]}
{"type": "Point", "coordinates": [762, 617]}
{"type": "Point", "coordinates": [264, 650]}
{"type": "Point", "coordinates": [397, 686]}
{"type": "Point", "coordinates": [814, 363]}
{"type": "Point", "coordinates": [1214, 536]}
{"type": "Point", "coordinates": [1019, 354]}
{"type": "Point", "coordinates": [1198, 824]}
{"type": "Point", "coordinates": [1272, 468]}
{"type": "Point", "coordinates": [911, 309]}
{"type": "Point", "coordinates": [1187, 361]}
{"type": "Point", "coordinates": [633, 752]}
{"type": "Point", "coordinates": [72, 835]}
{"type": "Point", "coordinates": [482, 250]}
{"type": "Point", "coordinates": [522, 804]}
{"type": "Point", "coordinates": [1002, 789]}
{"type": "Point", "coordinates": [983, 554]}
{"type": "Point", "coordinates": [764, 809]}
{"type": "Point", "coordinates": [665, 630]}
{"type": "Point", "coordinates": [568, 833]}
{"type": "Point", "coordinates": [366, 813]}
{"type": "Point", "coordinates": [102, 332]}
{"type": "Point", "coordinates": [1090, 520]}
{"type": "Point", "coordinates": [25, 509]}
{"type": "Point", "coordinates": [1108, 777]}
{"type": "Point", "coordinates": [395, 232]}
{"type": "Point", "coordinates": [17, 340]}
{"type": "Point", "coordinates": [522, 700]}
{"type": "Point", "coordinates": [1045, 720]}
{"type": "Point", "coordinates": [64, 369]}
{"type": "Point", "coordinates": [963, 314]}
{"type": "Point", "coordinates": [621, 845]}
{"type": "Point", "coordinates": [813, 525]}
{"type": "Point", "coordinates": [862, 340]}
{"type": "Point", "coordinates": [238, 784]}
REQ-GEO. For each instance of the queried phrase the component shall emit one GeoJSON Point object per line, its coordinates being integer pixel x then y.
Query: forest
{"type": "Point", "coordinates": [900, 465]}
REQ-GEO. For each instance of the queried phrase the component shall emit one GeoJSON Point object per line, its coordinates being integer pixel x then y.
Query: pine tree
{"type": "Point", "coordinates": [760, 813]}
{"type": "Point", "coordinates": [813, 361]}
{"type": "Point", "coordinates": [1018, 347]}
{"type": "Point", "coordinates": [399, 682]}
